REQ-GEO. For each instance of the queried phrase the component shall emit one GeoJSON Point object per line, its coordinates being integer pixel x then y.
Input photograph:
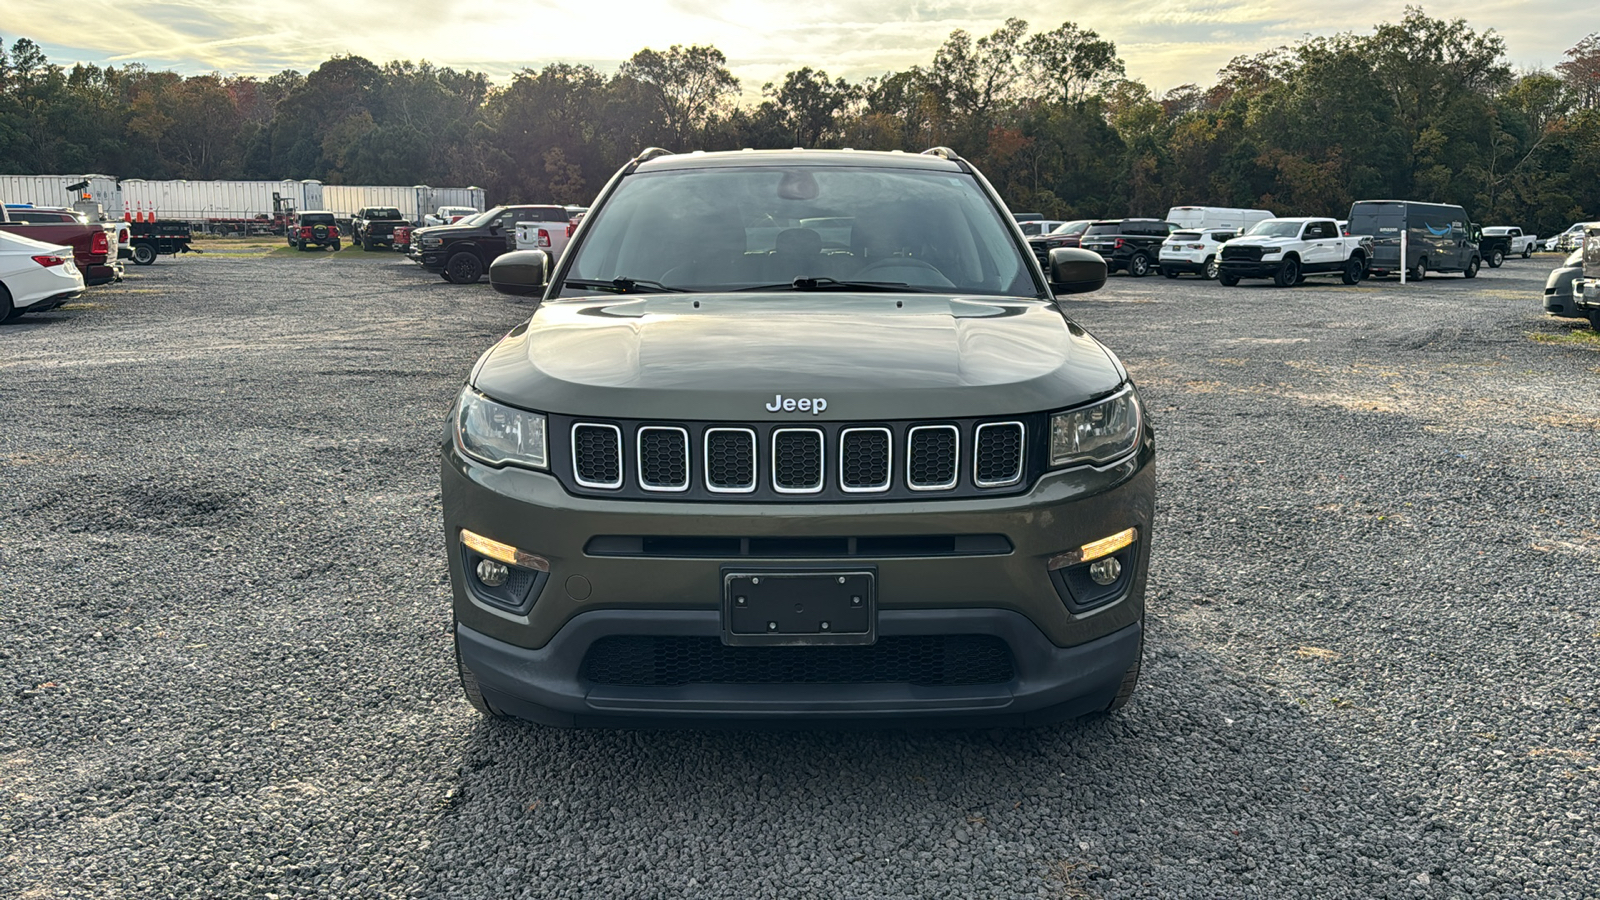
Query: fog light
{"type": "Point", "coordinates": [494, 574]}
{"type": "Point", "coordinates": [1103, 571]}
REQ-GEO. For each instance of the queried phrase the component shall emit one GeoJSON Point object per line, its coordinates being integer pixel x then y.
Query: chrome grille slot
{"type": "Point", "coordinates": [597, 455]}
{"type": "Point", "coordinates": [663, 458]}
{"type": "Point", "coordinates": [797, 461]}
{"type": "Point", "coordinates": [998, 459]}
{"type": "Point", "coordinates": [730, 460]}
{"type": "Point", "coordinates": [865, 459]}
{"type": "Point", "coordinates": [932, 457]}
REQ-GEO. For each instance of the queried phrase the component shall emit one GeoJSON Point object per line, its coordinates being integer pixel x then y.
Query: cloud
{"type": "Point", "coordinates": [1165, 43]}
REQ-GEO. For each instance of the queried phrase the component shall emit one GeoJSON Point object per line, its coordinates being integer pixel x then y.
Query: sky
{"type": "Point", "coordinates": [1165, 43]}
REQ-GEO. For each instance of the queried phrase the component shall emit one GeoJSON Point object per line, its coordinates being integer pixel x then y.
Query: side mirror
{"type": "Point", "coordinates": [520, 273]}
{"type": "Point", "coordinates": [1076, 271]}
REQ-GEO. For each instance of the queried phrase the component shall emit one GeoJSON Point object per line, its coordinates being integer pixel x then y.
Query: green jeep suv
{"type": "Point", "coordinates": [798, 437]}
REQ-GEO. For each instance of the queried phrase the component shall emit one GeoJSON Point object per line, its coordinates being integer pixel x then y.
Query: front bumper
{"type": "Point", "coordinates": [1050, 684]}
{"type": "Point", "coordinates": [432, 260]}
{"type": "Point", "coordinates": [1263, 269]}
{"type": "Point", "coordinates": [1066, 662]}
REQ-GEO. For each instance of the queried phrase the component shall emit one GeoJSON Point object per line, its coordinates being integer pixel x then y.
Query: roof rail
{"type": "Point", "coordinates": [650, 153]}
{"type": "Point", "coordinates": [942, 153]}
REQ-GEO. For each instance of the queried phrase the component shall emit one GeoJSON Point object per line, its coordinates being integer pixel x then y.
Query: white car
{"type": "Point", "coordinates": [35, 276]}
{"type": "Point", "coordinates": [1192, 251]}
{"type": "Point", "coordinates": [449, 215]}
{"type": "Point", "coordinates": [1037, 227]}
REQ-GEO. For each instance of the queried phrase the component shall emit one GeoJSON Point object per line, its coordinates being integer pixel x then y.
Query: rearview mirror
{"type": "Point", "coordinates": [520, 273]}
{"type": "Point", "coordinates": [1074, 270]}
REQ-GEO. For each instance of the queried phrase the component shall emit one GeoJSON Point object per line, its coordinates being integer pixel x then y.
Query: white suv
{"type": "Point", "coordinates": [1192, 251]}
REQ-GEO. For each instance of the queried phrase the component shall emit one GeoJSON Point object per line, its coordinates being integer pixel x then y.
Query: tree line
{"type": "Point", "coordinates": [1423, 108]}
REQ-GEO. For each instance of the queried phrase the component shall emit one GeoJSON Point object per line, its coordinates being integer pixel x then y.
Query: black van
{"type": "Point", "coordinates": [1439, 237]}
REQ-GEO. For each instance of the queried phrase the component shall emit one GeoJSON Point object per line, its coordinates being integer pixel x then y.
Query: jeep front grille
{"type": "Point", "coordinates": [797, 461]}
{"type": "Point", "coordinates": [597, 453]}
{"type": "Point", "coordinates": [932, 460]}
{"type": "Point", "coordinates": [663, 458]}
{"type": "Point", "coordinates": [730, 460]}
{"type": "Point", "coordinates": [865, 459]}
{"type": "Point", "coordinates": [998, 460]}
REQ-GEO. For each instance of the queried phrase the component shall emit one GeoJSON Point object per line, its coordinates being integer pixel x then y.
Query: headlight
{"type": "Point", "coordinates": [1271, 250]}
{"type": "Point", "coordinates": [496, 434]}
{"type": "Point", "coordinates": [1102, 433]}
{"type": "Point", "coordinates": [432, 241]}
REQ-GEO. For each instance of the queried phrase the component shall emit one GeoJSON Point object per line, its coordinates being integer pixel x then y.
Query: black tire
{"type": "Point", "coordinates": [1288, 273]}
{"type": "Point", "coordinates": [1170, 273]}
{"type": "Point", "coordinates": [1228, 279]}
{"type": "Point", "coordinates": [469, 686]}
{"type": "Point", "coordinates": [1527, 250]}
{"type": "Point", "coordinates": [144, 253]}
{"type": "Point", "coordinates": [1594, 319]}
{"type": "Point", "coordinates": [336, 246]}
{"type": "Point", "coordinates": [303, 246]}
{"type": "Point", "coordinates": [1213, 266]}
{"type": "Point", "coordinates": [1471, 271]}
{"type": "Point", "coordinates": [463, 267]}
{"type": "Point", "coordinates": [1496, 258]}
{"type": "Point", "coordinates": [1139, 265]}
{"type": "Point", "coordinates": [9, 312]}
{"type": "Point", "coordinates": [1420, 270]}
{"type": "Point", "coordinates": [366, 243]}
{"type": "Point", "coordinates": [1354, 269]}
{"type": "Point", "coordinates": [1130, 681]}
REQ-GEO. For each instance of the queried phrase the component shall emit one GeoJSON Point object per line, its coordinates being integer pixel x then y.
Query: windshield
{"type": "Point", "coordinates": [316, 218]}
{"type": "Point", "coordinates": [386, 213]}
{"type": "Point", "coordinates": [480, 218]}
{"type": "Point", "coordinates": [1275, 228]}
{"type": "Point", "coordinates": [1077, 227]}
{"type": "Point", "coordinates": [744, 227]}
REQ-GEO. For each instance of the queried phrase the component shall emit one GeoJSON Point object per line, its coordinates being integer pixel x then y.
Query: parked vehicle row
{"type": "Point", "coordinates": [91, 242]}
{"type": "Point", "coordinates": [35, 276]}
{"type": "Point", "coordinates": [461, 252]}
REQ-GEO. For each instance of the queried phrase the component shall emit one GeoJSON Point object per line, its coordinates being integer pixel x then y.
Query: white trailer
{"type": "Point", "coordinates": [474, 197]}
{"type": "Point", "coordinates": [344, 199]}
{"type": "Point", "coordinates": [51, 190]}
{"type": "Point", "coordinates": [220, 206]}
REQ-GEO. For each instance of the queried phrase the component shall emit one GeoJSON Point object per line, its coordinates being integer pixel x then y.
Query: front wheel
{"type": "Point", "coordinates": [1139, 265]}
{"type": "Point", "coordinates": [469, 687]}
{"type": "Point", "coordinates": [1594, 319]}
{"type": "Point", "coordinates": [1353, 270]}
{"type": "Point", "coordinates": [463, 268]}
{"type": "Point", "coordinates": [1471, 271]}
{"type": "Point", "coordinates": [1288, 273]}
{"type": "Point", "coordinates": [1211, 269]}
{"type": "Point", "coordinates": [1496, 258]}
{"type": "Point", "coordinates": [1228, 279]}
{"type": "Point", "coordinates": [143, 254]}
{"type": "Point", "coordinates": [1420, 270]}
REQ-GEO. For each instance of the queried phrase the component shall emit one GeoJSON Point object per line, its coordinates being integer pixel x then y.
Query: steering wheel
{"type": "Point", "coordinates": [903, 262]}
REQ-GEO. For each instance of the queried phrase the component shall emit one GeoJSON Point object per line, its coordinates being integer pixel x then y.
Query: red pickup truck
{"type": "Point", "coordinates": [93, 243]}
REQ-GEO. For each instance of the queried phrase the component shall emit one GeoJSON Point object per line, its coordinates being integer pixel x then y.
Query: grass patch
{"type": "Point", "coordinates": [1587, 338]}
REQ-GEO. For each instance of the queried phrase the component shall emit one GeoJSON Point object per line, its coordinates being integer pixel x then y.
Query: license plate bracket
{"type": "Point", "coordinates": [799, 607]}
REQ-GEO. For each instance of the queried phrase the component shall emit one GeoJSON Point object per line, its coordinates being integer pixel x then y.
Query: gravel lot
{"type": "Point", "coordinates": [226, 667]}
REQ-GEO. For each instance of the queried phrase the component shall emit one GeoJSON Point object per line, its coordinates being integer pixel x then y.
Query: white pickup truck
{"type": "Point", "coordinates": [547, 228]}
{"type": "Point", "coordinates": [1287, 250]}
{"type": "Point", "coordinates": [1510, 239]}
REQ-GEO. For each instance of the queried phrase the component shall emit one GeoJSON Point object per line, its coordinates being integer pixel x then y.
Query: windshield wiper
{"type": "Point", "coordinates": [823, 283]}
{"type": "Point", "coordinates": [621, 285]}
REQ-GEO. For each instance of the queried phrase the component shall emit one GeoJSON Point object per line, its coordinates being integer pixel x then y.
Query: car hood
{"type": "Point", "coordinates": [1262, 241]}
{"type": "Point", "coordinates": [732, 356]}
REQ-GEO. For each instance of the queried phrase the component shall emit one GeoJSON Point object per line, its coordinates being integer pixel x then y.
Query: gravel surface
{"type": "Point", "coordinates": [226, 668]}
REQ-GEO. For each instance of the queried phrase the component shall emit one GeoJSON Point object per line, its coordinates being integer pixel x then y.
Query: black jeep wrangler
{"type": "Point", "coordinates": [313, 230]}
{"type": "Point", "coordinates": [373, 226]}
